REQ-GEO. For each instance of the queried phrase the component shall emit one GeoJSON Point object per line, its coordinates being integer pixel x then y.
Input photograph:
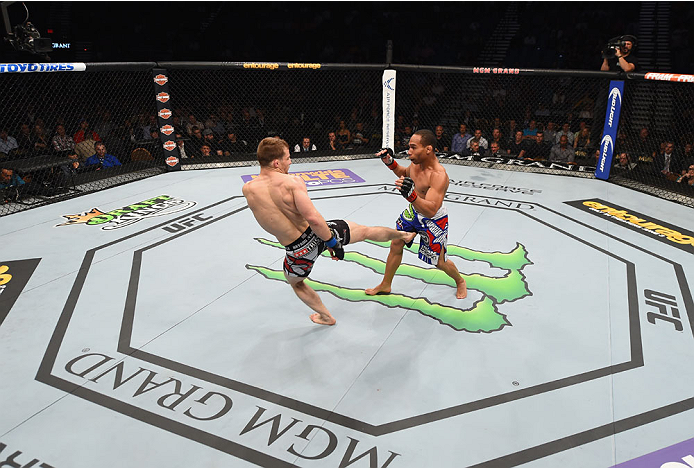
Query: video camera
{"type": "Point", "coordinates": [25, 37]}
{"type": "Point", "coordinates": [618, 42]}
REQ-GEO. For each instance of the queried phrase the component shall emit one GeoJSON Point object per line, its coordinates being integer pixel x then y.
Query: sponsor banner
{"type": "Point", "coordinates": [496, 71]}
{"type": "Point", "coordinates": [647, 225]}
{"type": "Point", "coordinates": [516, 162]}
{"type": "Point", "coordinates": [41, 67]}
{"type": "Point", "coordinates": [323, 177]}
{"type": "Point", "coordinates": [675, 456]}
{"type": "Point", "coordinates": [609, 132]}
{"type": "Point", "coordinates": [14, 276]}
{"type": "Point", "coordinates": [388, 109]}
{"type": "Point", "coordinates": [166, 130]}
{"type": "Point", "coordinates": [670, 77]}
{"type": "Point", "coordinates": [129, 214]}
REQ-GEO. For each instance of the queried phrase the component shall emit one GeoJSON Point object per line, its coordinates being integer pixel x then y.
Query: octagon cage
{"type": "Point", "coordinates": [60, 120]}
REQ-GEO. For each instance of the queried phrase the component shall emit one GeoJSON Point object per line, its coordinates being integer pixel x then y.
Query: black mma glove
{"type": "Point", "coordinates": [335, 245]}
{"type": "Point", "coordinates": [387, 158]}
{"type": "Point", "coordinates": [407, 190]}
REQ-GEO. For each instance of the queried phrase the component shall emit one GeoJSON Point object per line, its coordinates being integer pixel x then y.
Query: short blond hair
{"type": "Point", "coordinates": [271, 148]}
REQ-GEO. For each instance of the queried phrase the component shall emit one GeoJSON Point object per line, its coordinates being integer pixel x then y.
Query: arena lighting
{"type": "Point", "coordinates": [25, 37]}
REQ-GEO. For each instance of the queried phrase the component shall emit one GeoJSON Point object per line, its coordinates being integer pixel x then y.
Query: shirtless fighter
{"type": "Point", "coordinates": [423, 183]}
{"type": "Point", "coordinates": [281, 205]}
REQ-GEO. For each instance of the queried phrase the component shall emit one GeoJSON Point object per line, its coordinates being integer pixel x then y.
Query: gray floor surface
{"type": "Point", "coordinates": [164, 334]}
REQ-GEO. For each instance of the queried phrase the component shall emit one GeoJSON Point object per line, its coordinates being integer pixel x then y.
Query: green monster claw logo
{"type": "Point", "coordinates": [483, 316]}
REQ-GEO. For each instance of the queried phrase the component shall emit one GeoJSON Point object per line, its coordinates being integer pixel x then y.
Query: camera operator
{"type": "Point", "coordinates": [618, 55]}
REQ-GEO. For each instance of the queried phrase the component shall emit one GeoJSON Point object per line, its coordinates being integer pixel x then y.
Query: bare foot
{"type": "Point", "coordinates": [320, 320]}
{"type": "Point", "coordinates": [380, 289]}
{"type": "Point", "coordinates": [461, 290]}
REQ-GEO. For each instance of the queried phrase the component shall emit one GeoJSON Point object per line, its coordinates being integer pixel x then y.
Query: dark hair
{"type": "Point", "coordinates": [427, 137]}
{"type": "Point", "coordinates": [271, 148]}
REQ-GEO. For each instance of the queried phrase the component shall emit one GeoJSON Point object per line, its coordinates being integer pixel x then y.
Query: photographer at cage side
{"type": "Point", "coordinates": [619, 54]}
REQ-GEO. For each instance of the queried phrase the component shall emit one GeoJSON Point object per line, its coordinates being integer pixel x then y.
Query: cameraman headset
{"type": "Point", "coordinates": [618, 54]}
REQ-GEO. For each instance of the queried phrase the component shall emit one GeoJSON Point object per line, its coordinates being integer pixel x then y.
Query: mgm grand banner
{"type": "Point", "coordinates": [511, 161]}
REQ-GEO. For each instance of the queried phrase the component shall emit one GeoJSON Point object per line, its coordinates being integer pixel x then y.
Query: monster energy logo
{"type": "Point", "coordinates": [482, 316]}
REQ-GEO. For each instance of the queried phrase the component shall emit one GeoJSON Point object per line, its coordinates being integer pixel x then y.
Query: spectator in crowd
{"type": "Point", "coordinates": [333, 142]}
{"type": "Point", "coordinates": [8, 144]}
{"type": "Point", "coordinates": [668, 162]}
{"type": "Point", "coordinates": [344, 135]}
{"type": "Point", "coordinates": [406, 135]}
{"type": "Point", "coordinates": [460, 139]}
{"type": "Point", "coordinates": [104, 127]}
{"type": "Point", "coordinates": [148, 123]}
{"type": "Point", "coordinates": [495, 151]}
{"type": "Point", "coordinates": [205, 150]}
{"type": "Point", "coordinates": [644, 148]}
{"type": "Point", "coordinates": [101, 159]}
{"type": "Point", "coordinates": [232, 145]}
{"type": "Point", "coordinates": [688, 155]}
{"type": "Point", "coordinates": [479, 139]}
{"type": "Point", "coordinates": [24, 141]}
{"type": "Point", "coordinates": [360, 137]}
{"type": "Point", "coordinates": [305, 146]}
{"type": "Point", "coordinates": [550, 133]}
{"type": "Point", "coordinates": [399, 124]}
{"type": "Point", "coordinates": [210, 140]}
{"type": "Point", "coordinates": [8, 178]}
{"type": "Point", "coordinates": [415, 124]}
{"type": "Point", "coordinates": [62, 142]}
{"type": "Point", "coordinates": [181, 144]}
{"type": "Point", "coordinates": [581, 125]}
{"type": "Point", "coordinates": [216, 125]}
{"type": "Point", "coordinates": [622, 144]}
{"type": "Point", "coordinates": [85, 133]}
{"type": "Point", "coordinates": [530, 131]}
{"type": "Point", "coordinates": [73, 168]}
{"type": "Point", "coordinates": [582, 145]}
{"type": "Point", "coordinates": [517, 147]}
{"type": "Point", "coordinates": [473, 150]}
{"type": "Point", "coordinates": [537, 150]}
{"type": "Point", "coordinates": [248, 125]}
{"type": "Point", "coordinates": [623, 164]}
{"type": "Point", "coordinates": [498, 138]}
{"type": "Point", "coordinates": [442, 143]}
{"type": "Point", "coordinates": [562, 152]}
{"type": "Point", "coordinates": [510, 130]}
{"type": "Point", "coordinates": [40, 143]}
{"type": "Point", "coordinates": [177, 125]}
{"type": "Point", "coordinates": [193, 122]}
{"type": "Point", "coordinates": [687, 177]}
{"type": "Point", "coordinates": [196, 139]}
{"type": "Point", "coordinates": [565, 131]}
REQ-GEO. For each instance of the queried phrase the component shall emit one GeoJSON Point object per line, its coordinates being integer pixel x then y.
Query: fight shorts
{"type": "Point", "coordinates": [433, 232]}
{"type": "Point", "coordinates": [303, 252]}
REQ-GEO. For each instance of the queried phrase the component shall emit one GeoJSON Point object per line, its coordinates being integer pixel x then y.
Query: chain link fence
{"type": "Point", "coordinates": [65, 134]}
{"type": "Point", "coordinates": [529, 120]}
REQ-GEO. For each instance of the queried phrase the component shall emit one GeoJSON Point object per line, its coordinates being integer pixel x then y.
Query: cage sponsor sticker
{"type": "Point", "coordinates": [161, 80]}
{"type": "Point", "coordinates": [323, 177]}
